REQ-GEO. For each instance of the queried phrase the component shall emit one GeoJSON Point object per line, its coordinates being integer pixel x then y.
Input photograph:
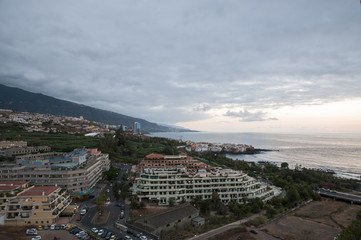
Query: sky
{"type": "Point", "coordinates": [208, 65]}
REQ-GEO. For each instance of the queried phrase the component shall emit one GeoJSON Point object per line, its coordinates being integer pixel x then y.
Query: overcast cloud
{"type": "Point", "coordinates": [171, 61]}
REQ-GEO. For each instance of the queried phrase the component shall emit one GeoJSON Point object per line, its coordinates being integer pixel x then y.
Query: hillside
{"type": "Point", "coordinates": [23, 101]}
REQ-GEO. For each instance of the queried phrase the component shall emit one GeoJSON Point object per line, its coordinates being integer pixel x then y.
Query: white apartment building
{"type": "Point", "coordinates": [161, 185]}
{"type": "Point", "coordinates": [76, 174]}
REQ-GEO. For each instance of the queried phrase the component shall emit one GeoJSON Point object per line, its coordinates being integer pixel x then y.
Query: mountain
{"type": "Point", "coordinates": [23, 101]}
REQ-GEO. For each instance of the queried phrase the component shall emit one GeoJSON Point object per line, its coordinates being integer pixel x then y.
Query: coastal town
{"type": "Point", "coordinates": [93, 196]}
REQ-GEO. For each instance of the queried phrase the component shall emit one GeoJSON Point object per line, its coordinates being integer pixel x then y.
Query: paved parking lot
{"type": "Point", "coordinates": [50, 234]}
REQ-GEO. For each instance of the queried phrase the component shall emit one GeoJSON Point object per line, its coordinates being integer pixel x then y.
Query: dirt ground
{"type": "Point", "coordinates": [145, 211]}
{"type": "Point", "coordinates": [320, 220]}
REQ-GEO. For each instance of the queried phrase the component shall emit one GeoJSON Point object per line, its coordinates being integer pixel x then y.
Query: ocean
{"type": "Point", "coordinates": [338, 152]}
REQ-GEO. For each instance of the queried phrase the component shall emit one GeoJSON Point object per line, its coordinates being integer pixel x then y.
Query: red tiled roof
{"type": "Point", "coordinates": [154, 156]}
{"type": "Point", "coordinates": [12, 183]}
{"type": "Point", "coordinates": [39, 190]}
{"type": "Point", "coordinates": [8, 188]}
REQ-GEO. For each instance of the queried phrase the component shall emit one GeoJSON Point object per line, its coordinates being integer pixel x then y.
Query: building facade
{"type": "Point", "coordinates": [136, 128]}
{"type": "Point", "coordinates": [163, 185]}
{"type": "Point", "coordinates": [21, 204]}
{"type": "Point", "coordinates": [16, 151]}
{"type": "Point", "coordinates": [163, 161]}
{"type": "Point", "coordinates": [9, 144]}
{"type": "Point", "coordinates": [78, 171]}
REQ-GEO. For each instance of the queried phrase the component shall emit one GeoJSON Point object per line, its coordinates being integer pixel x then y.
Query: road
{"type": "Point", "coordinates": [114, 211]}
{"type": "Point", "coordinates": [224, 228]}
{"type": "Point", "coordinates": [340, 195]}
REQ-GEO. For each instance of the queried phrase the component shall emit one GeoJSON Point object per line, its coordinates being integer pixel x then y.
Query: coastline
{"type": "Point", "coordinates": [337, 152]}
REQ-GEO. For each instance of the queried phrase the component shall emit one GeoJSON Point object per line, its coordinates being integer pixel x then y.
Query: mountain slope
{"type": "Point", "coordinates": [24, 101]}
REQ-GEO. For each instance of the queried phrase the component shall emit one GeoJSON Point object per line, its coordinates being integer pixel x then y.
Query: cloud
{"type": "Point", "coordinates": [177, 61]}
{"type": "Point", "coordinates": [246, 116]}
{"type": "Point", "coordinates": [202, 108]}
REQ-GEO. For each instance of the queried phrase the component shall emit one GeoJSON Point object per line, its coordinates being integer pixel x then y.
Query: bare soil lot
{"type": "Point", "coordinates": [320, 220]}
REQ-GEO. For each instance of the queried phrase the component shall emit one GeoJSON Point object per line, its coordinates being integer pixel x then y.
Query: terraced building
{"type": "Point", "coordinates": [177, 184]}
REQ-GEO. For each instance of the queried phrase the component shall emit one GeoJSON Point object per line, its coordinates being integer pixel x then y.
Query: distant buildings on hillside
{"type": "Point", "coordinates": [16, 148]}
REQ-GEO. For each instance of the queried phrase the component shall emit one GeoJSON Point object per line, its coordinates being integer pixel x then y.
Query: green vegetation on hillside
{"type": "Point", "coordinates": [353, 231]}
{"type": "Point", "coordinates": [124, 147]}
{"type": "Point", "coordinates": [59, 142]}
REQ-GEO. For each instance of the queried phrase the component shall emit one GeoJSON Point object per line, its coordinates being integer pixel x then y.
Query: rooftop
{"type": "Point", "coordinates": [154, 156]}
{"type": "Point", "coordinates": [39, 191]}
{"type": "Point", "coordinates": [11, 185]}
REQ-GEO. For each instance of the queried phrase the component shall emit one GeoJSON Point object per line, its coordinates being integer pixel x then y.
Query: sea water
{"type": "Point", "coordinates": [338, 152]}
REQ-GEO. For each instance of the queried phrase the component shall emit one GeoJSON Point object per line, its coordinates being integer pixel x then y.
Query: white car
{"type": "Point", "coordinates": [36, 238]}
{"type": "Point", "coordinates": [31, 231]}
{"type": "Point", "coordinates": [100, 232]}
{"type": "Point", "coordinates": [52, 227]}
{"type": "Point", "coordinates": [143, 237]}
{"type": "Point", "coordinates": [83, 212]}
{"type": "Point", "coordinates": [94, 230]}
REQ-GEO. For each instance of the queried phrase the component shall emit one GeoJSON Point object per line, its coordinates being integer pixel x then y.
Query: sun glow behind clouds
{"type": "Point", "coordinates": [343, 116]}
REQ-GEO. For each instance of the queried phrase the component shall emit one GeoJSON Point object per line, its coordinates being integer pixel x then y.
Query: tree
{"type": "Point", "coordinates": [216, 201]}
{"type": "Point", "coordinates": [205, 207]}
{"type": "Point", "coordinates": [284, 165]}
{"type": "Point", "coordinates": [292, 195]}
{"type": "Point", "coordinates": [171, 202]}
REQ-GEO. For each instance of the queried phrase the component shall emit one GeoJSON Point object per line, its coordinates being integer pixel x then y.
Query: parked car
{"type": "Point", "coordinates": [57, 227]}
{"type": "Point", "coordinates": [83, 212]}
{"type": "Point", "coordinates": [121, 214]}
{"type": "Point", "coordinates": [45, 227]}
{"type": "Point", "coordinates": [52, 227]}
{"type": "Point", "coordinates": [120, 205]}
{"type": "Point", "coordinates": [36, 238]}
{"type": "Point", "coordinates": [57, 238]}
{"type": "Point", "coordinates": [94, 230]}
{"type": "Point", "coordinates": [143, 237]}
{"type": "Point", "coordinates": [254, 231]}
{"type": "Point", "coordinates": [78, 218]}
{"type": "Point", "coordinates": [136, 235]}
{"type": "Point", "coordinates": [109, 234]}
{"type": "Point", "coordinates": [31, 231]}
{"type": "Point", "coordinates": [100, 232]}
{"type": "Point", "coordinates": [104, 234]}
{"type": "Point", "coordinates": [72, 229]}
